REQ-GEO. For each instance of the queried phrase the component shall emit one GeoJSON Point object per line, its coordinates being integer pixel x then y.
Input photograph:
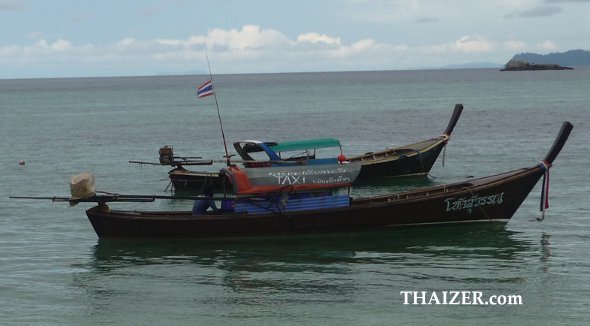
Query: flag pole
{"type": "Point", "coordinates": [227, 157]}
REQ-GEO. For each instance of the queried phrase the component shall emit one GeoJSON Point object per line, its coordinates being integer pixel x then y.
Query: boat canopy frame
{"type": "Point", "coordinates": [272, 149]}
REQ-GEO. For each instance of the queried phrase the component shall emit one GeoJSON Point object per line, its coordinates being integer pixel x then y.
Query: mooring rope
{"type": "Point", "coordinates": [544, 189]}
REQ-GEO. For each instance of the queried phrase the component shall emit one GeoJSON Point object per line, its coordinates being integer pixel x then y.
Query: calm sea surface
{"type": "Point", "coordinates": [54, 270]}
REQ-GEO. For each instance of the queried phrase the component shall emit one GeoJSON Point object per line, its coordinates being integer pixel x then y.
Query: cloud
{"type": "Point", "coordinates": [547, 46]}
{"type": "Point", "coordinates": [43, 47]}
{"type": "Point", "coordinates": [568, 1]}
{"type": "Point", "coordinates": [472, 44]}
{"type": "Point", "coordinates": [11, 5]}
{"type": "Point", "coordinates": [315, 38]}
{"type": "Point", "coordinates": [151, 11]}
{"type": "Point", "coordinates": [365, 46]}
{"type": "Point", "coordinates": [426, 20]}
{"type": "Point", "coordinates": [61, 45]}
{"type": "Point", "coordinates": [516, 46]}
{"type": "Point", "coordinates": [77, 19]}
{"type": "Point", "coordinates": [539, 11]}
{"type": "Point", "coordinates": [467, 48]}
{"type": "Point", "coordinates": [250, 37]}
{"type": "Point", "coordinates": [251, 49]}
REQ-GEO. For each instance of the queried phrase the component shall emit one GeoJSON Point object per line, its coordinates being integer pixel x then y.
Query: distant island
{"type": "Point", "coordinates": [517, 65]}
{"type": "Point", "coordinates": [553, 61]}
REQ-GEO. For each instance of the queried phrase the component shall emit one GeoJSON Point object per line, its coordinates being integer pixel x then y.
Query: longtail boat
{"type": "Point", "coordinates": [412, 159]}
{"type": "Point", "coordinates": [274, 158]}
{"type": "Point", "coordinates": [408, 160]}
{"type": "Point", "coordinates": [489, 199]}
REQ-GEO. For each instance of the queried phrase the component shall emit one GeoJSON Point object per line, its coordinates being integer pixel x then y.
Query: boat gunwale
{"type": "Point", "coordinates": [356, 204]}
{"type": "Point", "coordinates": [371, 157]}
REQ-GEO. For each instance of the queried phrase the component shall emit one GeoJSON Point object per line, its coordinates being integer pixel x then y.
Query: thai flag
{"type": "Point", "coordinates": [205, 90]}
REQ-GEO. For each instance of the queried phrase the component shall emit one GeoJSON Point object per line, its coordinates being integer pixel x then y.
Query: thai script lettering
{"type": "Point", "coordinates": [298, 179]}
{"type": "Point", "coordinates": [331, 180]}
{"type": "Point", "coordinates": [313, 176]}
{"type": "Point", "coordinates": [306, 172]}
{"type": "Point", "coordinates": [468, 203]}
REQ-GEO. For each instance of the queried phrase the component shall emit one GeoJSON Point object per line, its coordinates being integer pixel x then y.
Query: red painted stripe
{"type": "Point", "coordinates": [267, 189]}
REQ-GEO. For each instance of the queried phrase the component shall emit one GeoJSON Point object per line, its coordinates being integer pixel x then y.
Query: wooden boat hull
{"type": "Point", "coordinates": [184, 180]}
{"type": "Point", "coordinates": [491, 199]}
{"type": "Point", "coordinates": [296, 177]}
{"type": "Point", "coordinates": [410, 160]}
{"type": "Point", "coordinates": [401, 161]}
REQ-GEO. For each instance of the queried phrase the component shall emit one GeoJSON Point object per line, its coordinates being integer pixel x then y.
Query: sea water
{"type": "Point", "coordinates": [54, 270]}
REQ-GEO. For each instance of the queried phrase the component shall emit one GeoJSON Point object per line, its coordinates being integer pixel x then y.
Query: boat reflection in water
{"type": "Point", "coordinates": [222, 281]}
{"type": "Point", "coordinates": [245, 262]}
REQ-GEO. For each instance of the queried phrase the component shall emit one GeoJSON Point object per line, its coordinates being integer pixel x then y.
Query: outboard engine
{"type": "Point", "coordinates": [166, 155]}
{"type": "Point", "coordinates": [82, 185]}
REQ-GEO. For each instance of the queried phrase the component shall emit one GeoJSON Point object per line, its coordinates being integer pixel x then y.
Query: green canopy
{"type": "Point", "coordinates": [305, 144]}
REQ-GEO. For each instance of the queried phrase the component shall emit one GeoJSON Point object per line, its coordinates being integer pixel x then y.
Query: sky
{"type": "Point", "coordinates": [72, 38]}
